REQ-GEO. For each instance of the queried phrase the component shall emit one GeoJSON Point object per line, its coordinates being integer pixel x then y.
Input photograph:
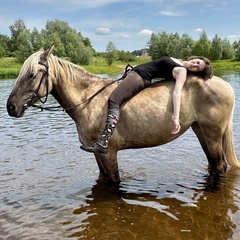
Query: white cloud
{"type": "Point", "coordinates": [145, 32]}
{"type": "Point", "coordinates": [171, 13]}
{"type": "Point", "coordinates": [234, 37]}
{"type": "Point", "coordinates": [125, 35]}
{"type": "Point", "coordinates": [103, 31]}
{"type": "Point", "coordinates": [198, 30]}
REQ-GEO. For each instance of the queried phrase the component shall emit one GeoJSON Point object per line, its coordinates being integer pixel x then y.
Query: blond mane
{"type": "Point", "coordinates": [29, 65]}
{"type": "Point", "coordinates": [70, 69]}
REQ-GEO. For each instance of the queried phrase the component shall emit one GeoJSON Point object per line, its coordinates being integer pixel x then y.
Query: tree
{"type": "Point", "coordinates": [16, 29]}
{"type": "Point", "coordinates": [76, 49]}
{"type": "Point", "coordinates": [158, 45]}
{"type": "Point", "coordinates": [59, 48]}
{"type": "Point", "coordinates": [228, 52]}
{"type": "Point", "coordinates": [186, 46]}
{"type": "Point", "coordinates": [236, 46]}
{"type": "Point", "coordinates": [21, 42]}
{"type": "Point", "coordinates": [173, 47]}
{"type": "Point", "coordinates": [86, 41]}
{"type": "Point", "coordinates": [111, 53]}
{"type": "Point", "coordinates": [2, 51]}
{"type": "Point", "coordinates": [4, 44]}
{"type": "Point", "coordinates": [203, 46]}
{"type": "Point", "coordinates": [125, 56]}
{"type": "Point", "coordinates": [216, 49]}
{"type": "Point", "coordinates": [163, 44]}
{"type": "Point", "coordinates": [68, 42]}
{"type": "Point", "coordinates": [55, 33]}
{"type": "Point", "coordinates": [37, 39]}
{"type": "Point", "coordinates": [58, 27]}
{"type": "Point", "coordinates": [78, 53]}
{"type": "Point", "coordinates": [25, 48]}
{"type": "Point", "coordinates": [86, 55]}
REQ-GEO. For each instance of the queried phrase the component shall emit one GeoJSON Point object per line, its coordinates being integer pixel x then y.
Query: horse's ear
{"type": "Point", "coordinates": [45, 55]}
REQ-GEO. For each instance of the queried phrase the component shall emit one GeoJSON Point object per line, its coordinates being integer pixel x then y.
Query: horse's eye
{"type": "Point", "coordinates": [31, 76]}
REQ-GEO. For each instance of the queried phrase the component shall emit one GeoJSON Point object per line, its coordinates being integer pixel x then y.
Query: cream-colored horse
{"type": "Point", "coordinates": [145, 120]}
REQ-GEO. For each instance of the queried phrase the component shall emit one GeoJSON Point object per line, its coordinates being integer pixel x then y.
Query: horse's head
{"type": "Point", "coordinates": [32, 83]}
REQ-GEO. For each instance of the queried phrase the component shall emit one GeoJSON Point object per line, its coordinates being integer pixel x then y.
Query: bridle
{"type": "Point", "coordinates": [44, 75]}
{"type": "Point", "coordinates": [35, 94]}
{"type": "Point", "coordinates": [55, 108]}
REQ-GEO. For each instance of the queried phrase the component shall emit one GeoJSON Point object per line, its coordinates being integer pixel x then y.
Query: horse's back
{"type": "Point", "coordinates": [146, 119]}
{"type": "Point", "coordinates": [213, 100]}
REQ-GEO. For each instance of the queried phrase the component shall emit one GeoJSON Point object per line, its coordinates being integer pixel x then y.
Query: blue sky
{"type": "Point", "coordinates": [127, 23]}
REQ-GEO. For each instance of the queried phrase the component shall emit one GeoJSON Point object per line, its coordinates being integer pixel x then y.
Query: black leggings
{"type": "Point", "coordinates": [131, 85]}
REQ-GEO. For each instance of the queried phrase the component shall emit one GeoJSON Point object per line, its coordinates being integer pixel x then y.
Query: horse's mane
{"type": "Point", "coordinates": [29, 65]}
{"type": "Point", "coordinates": [70, 69]}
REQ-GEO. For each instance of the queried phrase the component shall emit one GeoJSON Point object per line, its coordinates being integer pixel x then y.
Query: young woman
{"type": "Point", "coordinates": [139, 78]}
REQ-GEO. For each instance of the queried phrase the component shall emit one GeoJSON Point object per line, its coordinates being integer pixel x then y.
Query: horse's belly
{"type": "Point", "coordinates": [147, 135]}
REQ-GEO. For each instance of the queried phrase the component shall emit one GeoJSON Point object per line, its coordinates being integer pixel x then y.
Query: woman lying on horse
{"type": "Point", "coordinates": [139, 78]}
{"type": "Point", "coordinates": [207, 107]}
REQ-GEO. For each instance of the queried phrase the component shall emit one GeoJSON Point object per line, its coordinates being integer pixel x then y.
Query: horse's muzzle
{"type": "Point", "coordinates": [15, 111]}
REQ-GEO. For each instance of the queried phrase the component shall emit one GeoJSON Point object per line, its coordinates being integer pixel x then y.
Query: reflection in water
{"type": "Point", "coordinates": [123, 215]}
{"type": "Point", "coordinates": [48, 186]}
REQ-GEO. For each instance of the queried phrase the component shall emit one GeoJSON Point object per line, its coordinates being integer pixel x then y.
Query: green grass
{"type": "Point", "coordinates": [223, 67]}
{"type": "Point", "coordinates": [9, 67]}
{"type": "Point", "coordinates": [233, 65]}
{"type": "Point", "coordinates": [100, 66]}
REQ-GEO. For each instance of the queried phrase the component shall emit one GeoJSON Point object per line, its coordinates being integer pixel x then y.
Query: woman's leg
{"type": "Point", "coordinates": [131, 85]}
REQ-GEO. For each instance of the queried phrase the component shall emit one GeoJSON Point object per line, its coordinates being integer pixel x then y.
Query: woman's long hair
{"type": "Point", "coordinates": [207, 72]}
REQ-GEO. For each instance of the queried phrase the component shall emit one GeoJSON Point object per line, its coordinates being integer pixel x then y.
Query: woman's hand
{"type": "Point", "coordinates": [177, 127]}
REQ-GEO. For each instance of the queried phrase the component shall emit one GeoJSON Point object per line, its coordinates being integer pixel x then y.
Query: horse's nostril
{"type": "Point", "coordinates": [11, 109]}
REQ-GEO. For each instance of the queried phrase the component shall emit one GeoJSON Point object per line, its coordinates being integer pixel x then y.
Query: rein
{"type": "Point", "coordinates": [55, 108]}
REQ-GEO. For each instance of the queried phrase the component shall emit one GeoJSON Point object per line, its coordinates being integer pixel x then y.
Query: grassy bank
{"type": "Point", "coordinates": [9, 68]}
{"type": "Point", "coordinates": [100, 66]}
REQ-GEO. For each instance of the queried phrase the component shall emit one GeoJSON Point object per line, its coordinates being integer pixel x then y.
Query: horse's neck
{"type": "Point", "coordinates": [72, 85]}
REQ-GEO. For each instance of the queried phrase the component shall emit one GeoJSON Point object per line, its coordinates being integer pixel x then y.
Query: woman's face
{"type": "Point", "coordinates": [196, 65]}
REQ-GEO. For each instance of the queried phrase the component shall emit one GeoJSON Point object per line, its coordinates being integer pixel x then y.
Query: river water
{"type": "Point", "coordinates": [48, 187]}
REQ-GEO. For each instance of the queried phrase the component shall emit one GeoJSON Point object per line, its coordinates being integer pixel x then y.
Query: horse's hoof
{"type": "Point", "coordinates": [95, 148]}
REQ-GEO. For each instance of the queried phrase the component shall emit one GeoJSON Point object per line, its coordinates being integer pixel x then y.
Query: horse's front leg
{"type": "Point", "coordinates": [108, 166]}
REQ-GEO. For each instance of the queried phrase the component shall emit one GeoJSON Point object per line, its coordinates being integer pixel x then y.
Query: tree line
{"type": "Point", "coordinates": [71, 45]}
{"type": "Point", "coordinates": [182, 47]}
{"type": "Point", "coordinates": [68, 43]}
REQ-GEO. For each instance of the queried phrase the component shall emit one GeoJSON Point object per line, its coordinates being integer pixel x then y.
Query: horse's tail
{"type": "Point", "coordinates": [228, 146]}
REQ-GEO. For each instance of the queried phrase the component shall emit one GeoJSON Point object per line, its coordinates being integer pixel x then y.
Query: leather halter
{"type": "Point", "coordinates": [29, 101]}
{"type": "Point", "coordinates": [44, 76]}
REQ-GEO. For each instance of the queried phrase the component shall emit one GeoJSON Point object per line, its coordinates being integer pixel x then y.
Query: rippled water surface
{"type": "Point", "coordinates": [48, 187]}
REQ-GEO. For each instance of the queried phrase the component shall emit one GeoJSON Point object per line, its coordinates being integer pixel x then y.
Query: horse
{"type": "Point", "coordinates": [145, 120]}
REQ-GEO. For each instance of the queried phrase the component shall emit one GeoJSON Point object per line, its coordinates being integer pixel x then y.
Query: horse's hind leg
{"type": "Point", "coordinates": [210, 139]}
{"type": "Point", "coordinates": [197, 130]}
{"type": "Point", "coordinates": [108, 167]}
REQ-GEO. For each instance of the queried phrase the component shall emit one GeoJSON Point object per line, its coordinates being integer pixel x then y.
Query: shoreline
{"type": "Point", "coordinates": [10, 69]}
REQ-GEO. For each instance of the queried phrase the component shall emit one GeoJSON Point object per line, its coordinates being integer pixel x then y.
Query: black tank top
{"type": "Point", "coordinates": [159, 68]}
